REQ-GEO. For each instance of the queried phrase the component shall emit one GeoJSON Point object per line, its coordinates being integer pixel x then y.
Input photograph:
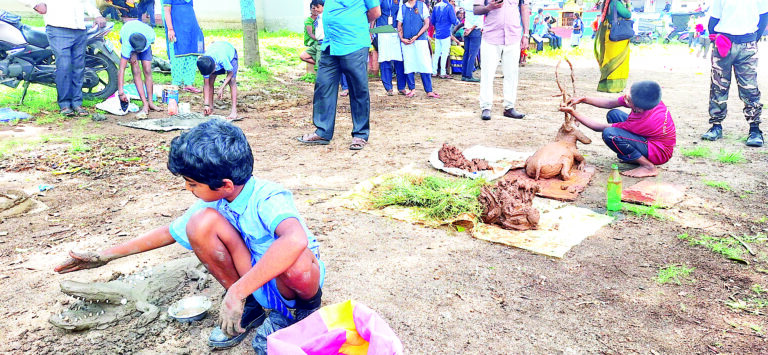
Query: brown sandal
{"type": "Point", "coordinates": [357, 143]}
{"type": "Point", "coordinates": [313, 139]}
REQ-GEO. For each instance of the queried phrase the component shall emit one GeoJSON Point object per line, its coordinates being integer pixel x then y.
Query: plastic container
{"type": "Point", "coordinates": [190, 309]}
{"type": "Point", "coordinates": [456, 65]}
{"type": "Point", "coordinates": [613, 190]}
{"type": "Point", "coordinates": [170, 92]}
{"type": "Point", "coordinates": [184, 107]}
{"type": "Point", "coordinates": [173, 107]}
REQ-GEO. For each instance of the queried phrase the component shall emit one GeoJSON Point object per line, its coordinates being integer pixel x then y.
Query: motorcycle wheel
{"type": "Point", "coordinates": [100, 80]}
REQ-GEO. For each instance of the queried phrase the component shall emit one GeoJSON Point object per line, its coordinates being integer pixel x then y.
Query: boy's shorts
{"type": "Point", "coordinates": [145, 55]}
{"type": "Point", "coordinates": [315, 52]}
{"type": "Point", "coordinates": [222, 71]}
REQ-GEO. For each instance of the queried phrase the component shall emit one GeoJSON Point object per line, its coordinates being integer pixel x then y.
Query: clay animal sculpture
{"type": "Point", "coordinates": [508, 204]}
{"type": "Point", "coordinates": [558, 157]}
{"type": "Point", "coordinates": [102, 303]}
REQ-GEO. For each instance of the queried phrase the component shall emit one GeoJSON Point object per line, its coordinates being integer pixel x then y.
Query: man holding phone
{"type": "Point", "coordinates": [504, 35]}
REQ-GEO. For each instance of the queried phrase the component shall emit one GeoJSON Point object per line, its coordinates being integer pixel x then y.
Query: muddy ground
{"type": "Point", "coordinates": [440, 290]}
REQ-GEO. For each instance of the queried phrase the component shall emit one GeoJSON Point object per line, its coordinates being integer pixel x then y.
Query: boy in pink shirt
{"type": "Point", "coordinates": [646, 136]}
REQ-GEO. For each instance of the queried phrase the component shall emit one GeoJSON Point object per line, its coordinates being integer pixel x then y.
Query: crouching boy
{"type": "Point", "coordinates": [136, 40]}
{"type": "Point", "coordinates": [245, 230]}
{"type": "Point", "coordinates": [646, 136]}
{"type": "Point", "coordinates": [219, 59]}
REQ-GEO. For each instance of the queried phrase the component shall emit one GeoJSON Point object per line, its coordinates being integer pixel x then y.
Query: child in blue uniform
{"type": "Point", "coordinates": [219, 59]}
{"type": "Point", "coordinates": [136, 40]}
{"type": "Point", "coordinates": [245, 230]}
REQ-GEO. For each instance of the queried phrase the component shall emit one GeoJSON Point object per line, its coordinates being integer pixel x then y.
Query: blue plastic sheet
{"type": "Point", "coordinates": [8, 114]}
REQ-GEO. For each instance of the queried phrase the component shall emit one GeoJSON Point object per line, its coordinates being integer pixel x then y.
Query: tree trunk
{"type": "Point", "coordinates": [250, 33]}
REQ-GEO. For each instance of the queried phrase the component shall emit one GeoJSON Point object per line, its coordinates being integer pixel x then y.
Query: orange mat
{"type": "Point", "coordinates": [556, 188]}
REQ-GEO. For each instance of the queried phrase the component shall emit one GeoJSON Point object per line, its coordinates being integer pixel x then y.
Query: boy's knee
{"type": "Point", "coordinates": [609, 133]}
{"type": "Point", "coordinates": [202, 223]}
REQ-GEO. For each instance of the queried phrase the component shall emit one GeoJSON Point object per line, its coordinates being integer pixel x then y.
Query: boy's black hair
{"type": "Point", "coordinates": [211, 152]}
{"type": "Point", "coordinates": [206, 65]}
{"type": "Point", "coordinates": [137, 42]}
{"type": "Point", "coordinates": [317, 3]}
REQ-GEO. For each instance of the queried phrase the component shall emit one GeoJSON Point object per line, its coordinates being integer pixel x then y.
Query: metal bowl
{"type": "Point", "coordinates": [190, 309]}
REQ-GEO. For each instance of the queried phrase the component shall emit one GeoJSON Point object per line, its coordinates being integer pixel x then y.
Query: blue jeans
{"type": "Point", "coordinates": [385, 68]}
{"type": "Point", "coordinates": [471, 49]}
{"type": "Point", "coordinates": [343, 82]}
{"type": "Point", "coordinates": [110, 12]}
{"type": "Point", "coordinates": [68, 47]}
{"type": "Point", "coordinates": [555, 41]}
{"type": "Point", "coordinates": [354, 66]}
{"type": "Point", "coordinates": [426, 80]}
{"type": "Point", "coordinates": [627, 146]}
{"type": "Point", "coordinates": [147, 7]}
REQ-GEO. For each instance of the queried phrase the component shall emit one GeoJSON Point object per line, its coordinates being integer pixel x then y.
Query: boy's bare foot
{"type": "Point", "coordinates": [232, 116]}
{"type": "Point", "coordinates": [641, 171]}
{"type": "Point", "coordinates": [154, 107]}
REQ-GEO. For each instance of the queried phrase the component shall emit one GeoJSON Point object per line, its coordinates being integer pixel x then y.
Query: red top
{"type": "Point", "coordinates": [657, 126]}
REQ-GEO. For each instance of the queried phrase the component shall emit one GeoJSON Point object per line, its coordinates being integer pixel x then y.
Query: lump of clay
{"type": "Point", "coordinates": [508, 204]}
{"type": "Point", "coordinates": [453, 158]}
{"type": "Point", "coordinates": [557, 158]}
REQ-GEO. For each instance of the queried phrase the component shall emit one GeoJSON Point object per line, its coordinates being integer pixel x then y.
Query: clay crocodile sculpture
{"type": "Point", "coordinates": [102, 303]}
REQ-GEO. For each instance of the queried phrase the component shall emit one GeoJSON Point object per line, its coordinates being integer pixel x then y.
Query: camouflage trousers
{"type": "Point", "coordinates": [742, 61]}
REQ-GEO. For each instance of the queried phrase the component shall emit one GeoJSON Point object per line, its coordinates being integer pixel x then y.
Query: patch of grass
{"type": "Point", "coordinates": [754, 302]}
{"type": "Point", "coordinates": [727, 157]}
{"type": "Point", "coordinates": [676, 274]}
{"type": "Point", "coordinates": [260, 74]}
{"type": "Point", "coordinates": [645, 211]}
{"type": "Point", "coordinates": [698, 152]}
{"type": "Point", "coordinates": [720, 185]}
{"type": "Point", "coordinates": [728, 247]}
{"type": "Point", "coordinates": [438, 198]}
{"type": "Point", "coordinates": [309, 77]}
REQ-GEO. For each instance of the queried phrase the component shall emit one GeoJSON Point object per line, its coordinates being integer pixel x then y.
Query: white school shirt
{"type": "Point", "coordinates": [66, 13]}
{"type": "Point", "coordinates": [738, 17]}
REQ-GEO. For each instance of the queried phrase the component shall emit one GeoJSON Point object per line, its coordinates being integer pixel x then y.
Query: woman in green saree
{"type": "Point", "coordinates": [613, 57]}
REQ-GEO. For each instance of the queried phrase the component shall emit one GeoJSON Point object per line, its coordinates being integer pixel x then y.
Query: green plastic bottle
{"type": "Point", "coordinates": [613, 190]}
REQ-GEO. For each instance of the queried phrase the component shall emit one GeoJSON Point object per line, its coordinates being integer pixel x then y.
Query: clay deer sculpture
{"type": "Point", "coordinates": [558, 157]}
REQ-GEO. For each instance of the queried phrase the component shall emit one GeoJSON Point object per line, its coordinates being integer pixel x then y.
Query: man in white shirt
{"type": "Point", "coordinates": [735, 26]}
{"type": "Point", "coordinates": [473, 33]}
{"type": "Point", "coordinates": [65, 27]}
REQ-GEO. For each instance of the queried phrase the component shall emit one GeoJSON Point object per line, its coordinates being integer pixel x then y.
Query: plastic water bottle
{"type": "Point", "coordinates": [173, 107]}
{"type": "Point", "coordinates": [613, 190]}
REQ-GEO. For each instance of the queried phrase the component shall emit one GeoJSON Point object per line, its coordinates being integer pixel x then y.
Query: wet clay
{"type": "Point", "coordinates": [102, 303]}
{"type": "Point", "coordinates": [453, 158]}
{"type": "Point", "coordinates": [558, 157]}
{"type": "Point", "coordinates": [508, 204]}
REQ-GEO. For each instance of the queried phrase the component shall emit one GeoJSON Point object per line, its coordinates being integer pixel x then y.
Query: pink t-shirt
{"type": "Point", "coordinates": [502, 26]}
{"type": "Point", "coordinates": [656, 126]}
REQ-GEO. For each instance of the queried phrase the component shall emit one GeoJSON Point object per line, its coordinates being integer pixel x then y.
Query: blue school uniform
{"type": "Point", "coordinates": [136, 26]}
{"type": "Point", "coordinates": [224, 56]}
{"type": "Point", "coordinates": [255, 213]}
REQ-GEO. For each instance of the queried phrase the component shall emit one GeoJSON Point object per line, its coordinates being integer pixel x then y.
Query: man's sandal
{"type": "Point", "coordinates": [357, 143]}
{"type": "Point", "coordinates": [313, 139]}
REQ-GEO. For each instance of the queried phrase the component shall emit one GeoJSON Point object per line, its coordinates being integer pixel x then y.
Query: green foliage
{"type": "Point", "coordinates": [728, 247]}
{"type": "Point", "coordinates": [730, 157]}
{"type": "Point", "coordinates": [645, 211]}
{"type": "Point", "coordinates": [309, 77]}
{"type": "Point", "coordinates": [437, 197]}
{"type": "Point", "coordinates": [721, 185]}
{"type": "Point", "coordinates": [752, 303]}
{"type": "Point", "coordinates": [698, 152]}
{"type": "Point", "coordinates": [676, 274]}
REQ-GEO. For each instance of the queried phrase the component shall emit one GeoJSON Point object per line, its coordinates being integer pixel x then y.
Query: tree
{"type": "Point", "coordinates": [250, 33]}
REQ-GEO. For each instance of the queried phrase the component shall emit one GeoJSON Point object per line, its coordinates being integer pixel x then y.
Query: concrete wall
{"type": "Point", "coordinates": [271, 15]}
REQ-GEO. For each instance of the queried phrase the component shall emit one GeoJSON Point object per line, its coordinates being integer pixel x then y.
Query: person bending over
{"type": "Point", "coordinates": [646, 136]}
{"type": "Point", "coordinates": [219, 59]}
{"type": "Point", "coordinates": [136, 40]}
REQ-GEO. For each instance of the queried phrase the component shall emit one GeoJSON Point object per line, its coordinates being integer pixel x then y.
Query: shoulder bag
{"type": "Point", "coordinates": [621, 28]}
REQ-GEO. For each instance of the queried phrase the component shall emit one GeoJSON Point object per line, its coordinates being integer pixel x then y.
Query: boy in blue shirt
{"type": "Point", "coordinates": [219, 59]}
{"type": "Point", "coordinates": [245, 230]}
{"type": "Point", "coordinates": [136, 40]}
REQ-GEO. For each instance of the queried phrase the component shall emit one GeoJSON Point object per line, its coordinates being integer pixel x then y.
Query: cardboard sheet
{"type": "Point", "coordinates": [556, 188]}
{"type": "Point", "coordinates": [653, 193]}
{"type": "Point", "coordinates": [561, 226]}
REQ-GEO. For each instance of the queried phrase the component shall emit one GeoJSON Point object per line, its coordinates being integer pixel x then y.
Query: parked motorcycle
{"type": "Point", "coordinates": [25, 55]}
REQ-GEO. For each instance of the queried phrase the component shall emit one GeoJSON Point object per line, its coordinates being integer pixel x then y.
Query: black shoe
{"type": "Point", "coordinates": [253, 317]}
{"type": "Point", "coordinates": [755, 138]}
{"type": "Point", "coordinates": [511, 113]}
{"type": "Point", "coordinates": [486, 115]}
{"type": "Point", "coordinates": [470, 79]}
{"type": "Point", "coordinates": [714, 133]}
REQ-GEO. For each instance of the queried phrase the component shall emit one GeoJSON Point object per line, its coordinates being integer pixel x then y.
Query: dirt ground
{"type": "Point", "coordinates": [441, 291]}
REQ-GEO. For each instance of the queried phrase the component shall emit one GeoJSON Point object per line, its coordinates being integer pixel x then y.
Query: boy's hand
{"type": "Point", "coordinates": [41, 8]}
{"type": "Point", "coordinates": [171, 35]}
{"type": "Point", "coordinates": [123, 97]}
{"type": "Point", "coordinates": [221, 93]}
{"type": "Point", "coordinates": [207, 110]}
{"type": "Point", "coordinates": [567, 109]}
{"type": "Point", "coordinates": [230, 312]}
{"type": "Point", "coordinates": [81, 261]}
{"type": "Point", "coordinates": [577, 101]}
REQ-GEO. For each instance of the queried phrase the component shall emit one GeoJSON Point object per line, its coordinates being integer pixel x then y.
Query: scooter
{"type": "Point", "coordinates": [25, 55]}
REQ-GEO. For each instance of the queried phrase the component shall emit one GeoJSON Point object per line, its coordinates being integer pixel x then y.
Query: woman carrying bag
{"type": "Point", "coordinates": [612, 56]}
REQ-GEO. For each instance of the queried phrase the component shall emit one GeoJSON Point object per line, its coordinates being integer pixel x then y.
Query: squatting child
{"type": "Point", "coordinates": [312, 55]}
{"type": "Point", "coordinates": [245, 230]}
{"type": "Point", "coordinates": [220, 58]}
{"type": "Point", "coordinates": [136, 40]}
{"type": "Point", "coordinates": [646, 136]}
